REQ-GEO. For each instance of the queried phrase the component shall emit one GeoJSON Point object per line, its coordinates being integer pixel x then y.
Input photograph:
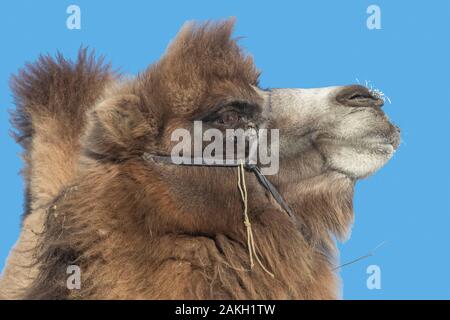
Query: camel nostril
{"type": "Point", "coordinates": [358, 96]}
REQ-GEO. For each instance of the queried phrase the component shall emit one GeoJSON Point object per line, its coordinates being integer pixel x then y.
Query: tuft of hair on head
{"type": "Point", "coordinates": [202, 63]}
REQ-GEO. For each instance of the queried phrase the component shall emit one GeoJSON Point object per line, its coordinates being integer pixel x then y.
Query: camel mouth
{"type": "Point", "coordinates": [384, 143]}
{"type": "Point", "coordinates": [375, 143]}
{"type": "Point", "coordinates": [379, 144]}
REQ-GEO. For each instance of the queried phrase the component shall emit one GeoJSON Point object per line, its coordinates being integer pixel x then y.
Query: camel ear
{"type": "Point", "coordinates": [121, 117]}
{"type": "Point", "coordinates": [117, 127]}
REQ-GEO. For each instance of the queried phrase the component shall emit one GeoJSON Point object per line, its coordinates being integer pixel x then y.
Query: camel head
{"type": "Point", "coordinates": [328, 137]}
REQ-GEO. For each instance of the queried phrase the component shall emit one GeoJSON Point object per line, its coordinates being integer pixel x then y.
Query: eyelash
{"type": "Point", "coordinates": [222, 120]}
{"type": "Point", "coordinates": [240, 112]}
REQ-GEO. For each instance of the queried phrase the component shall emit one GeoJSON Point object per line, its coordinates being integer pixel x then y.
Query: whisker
{"type": "Point", "coordinates": [369, 254]}
{"type": "Point", "coordinates": [375, 91]}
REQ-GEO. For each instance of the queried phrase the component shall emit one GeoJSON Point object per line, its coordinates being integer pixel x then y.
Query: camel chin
{"type": "Point", "coordinates": [356, 161]}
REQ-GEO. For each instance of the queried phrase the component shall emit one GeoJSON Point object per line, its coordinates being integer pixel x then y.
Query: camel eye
{"type": "Point", "coordinates": [229, 119]}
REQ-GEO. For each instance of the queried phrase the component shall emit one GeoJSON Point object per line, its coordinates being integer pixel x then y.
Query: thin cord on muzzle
{"type": "Point", "coordinates": [250, 239]}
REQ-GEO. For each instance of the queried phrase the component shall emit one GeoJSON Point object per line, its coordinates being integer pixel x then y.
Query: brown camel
{"type": "Point", "coordinates": [143, 229]}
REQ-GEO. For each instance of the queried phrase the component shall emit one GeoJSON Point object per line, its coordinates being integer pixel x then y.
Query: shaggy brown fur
{"type": "Point", "coordinates": [151, 231]}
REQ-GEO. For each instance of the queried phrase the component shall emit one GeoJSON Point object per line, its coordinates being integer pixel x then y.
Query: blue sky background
{"type": "Point", "coordinates": [295, 44]}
